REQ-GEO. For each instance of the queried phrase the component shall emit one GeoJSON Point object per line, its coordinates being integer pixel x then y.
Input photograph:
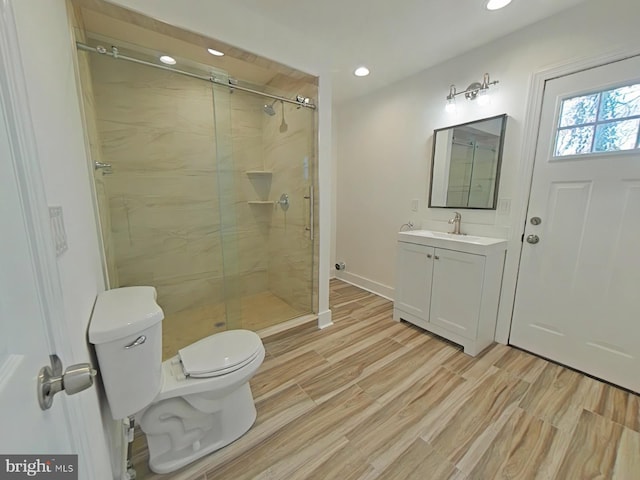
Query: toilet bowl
{"type": "Point", "coordinates": [188, 406]}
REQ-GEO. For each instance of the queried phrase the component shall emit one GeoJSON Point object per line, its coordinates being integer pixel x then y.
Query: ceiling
{"type": "Point", "coordinates": [394, 38]}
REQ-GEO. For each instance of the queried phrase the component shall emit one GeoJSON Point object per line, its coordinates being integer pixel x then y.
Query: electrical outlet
{"type": "Point", "coordinates": [415, 204]}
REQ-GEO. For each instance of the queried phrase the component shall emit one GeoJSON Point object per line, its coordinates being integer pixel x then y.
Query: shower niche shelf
{"type": "Point", "coordinates": [259, 172]}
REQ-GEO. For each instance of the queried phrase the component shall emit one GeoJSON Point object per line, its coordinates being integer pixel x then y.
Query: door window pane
{"type": "Point", "coordinates": [573, 141]}
{"type": "Point", "coordinates": [604, 121]}
{"type": "Point", "coordinates": [579, 110]}
{"type": "Point", "coordinates": [616, 136]}
{"type": "Point", "coordinates": [620, 103]}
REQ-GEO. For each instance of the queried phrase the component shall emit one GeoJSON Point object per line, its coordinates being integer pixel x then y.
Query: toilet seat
{"type": "Point", "coordinates": [220, 354]}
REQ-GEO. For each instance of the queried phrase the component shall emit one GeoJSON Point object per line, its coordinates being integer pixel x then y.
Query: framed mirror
{"type": "Point", "coordinates": [465, 165]}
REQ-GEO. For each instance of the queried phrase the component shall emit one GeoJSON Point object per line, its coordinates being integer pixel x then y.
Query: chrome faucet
{"type": "Point", "coordinates": [455, 221]}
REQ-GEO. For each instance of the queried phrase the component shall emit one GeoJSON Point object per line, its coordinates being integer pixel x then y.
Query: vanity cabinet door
{"type": "Point", "coordinates": [413, 285]}
{"type": "Point", "coordinates": [456, 293]}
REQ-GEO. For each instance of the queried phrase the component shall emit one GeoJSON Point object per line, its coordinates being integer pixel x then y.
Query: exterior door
{"type": "Point", "coordinates": [577, 300]}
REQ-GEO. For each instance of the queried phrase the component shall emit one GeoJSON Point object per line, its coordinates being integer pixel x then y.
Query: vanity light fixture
{"type": "Point", "coordinates": [215, 52]}
{"type": "Point", "coordinates": [497, 4]}
{"type": "Point", "coordinates": [167, 60]}
{"type": "Point", "coordinates": [450, 107]}
{"type": "Point", "coordinates": [361, 71]}
{"type": "Point", "coordinates": [475, 90]}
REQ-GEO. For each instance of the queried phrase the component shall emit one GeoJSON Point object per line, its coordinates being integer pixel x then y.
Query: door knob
{"type": "Point", "coordinates": [533, 239]}
{"type": "Point", "coordinates": [51, 380]}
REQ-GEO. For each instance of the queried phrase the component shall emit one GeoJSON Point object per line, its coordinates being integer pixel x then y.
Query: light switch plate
{"type": "Point", "coordinates": [415, 203]}
{"type": "Point", "coordinates": [57, 230]}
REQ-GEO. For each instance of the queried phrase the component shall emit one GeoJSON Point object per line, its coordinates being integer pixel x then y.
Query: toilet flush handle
{"type": "Point", "coordinates": [138, 341]}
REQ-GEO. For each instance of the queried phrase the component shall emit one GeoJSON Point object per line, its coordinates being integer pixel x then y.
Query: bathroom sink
{"type": "Point", "coordinates": [470, 243]}
{"type": "Point", "coordinates": [461, 237]}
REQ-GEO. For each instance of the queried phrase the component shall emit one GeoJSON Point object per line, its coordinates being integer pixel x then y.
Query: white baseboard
{"type": "Point", "coordinates": [372, 286]}
{"type": "Point", "coordinates": [324, 319]}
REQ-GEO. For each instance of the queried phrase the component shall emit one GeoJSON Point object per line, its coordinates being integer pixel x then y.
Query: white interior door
{"type": "Point", "coordinates": [578, 297]}
{"type": "Point", "coordinates": [24, 339]}
{"type": "Point", "coordinates": [29, 327]}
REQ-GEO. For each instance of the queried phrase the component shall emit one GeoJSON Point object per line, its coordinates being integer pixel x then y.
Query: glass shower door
{"type": "Point", "coordinates": [265, 165]}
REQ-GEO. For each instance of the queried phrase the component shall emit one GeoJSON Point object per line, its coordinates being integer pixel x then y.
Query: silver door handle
{"type": "Point", "coordinates": [533, 239]}
{"type": "Point", "coordinates": [51, 380]}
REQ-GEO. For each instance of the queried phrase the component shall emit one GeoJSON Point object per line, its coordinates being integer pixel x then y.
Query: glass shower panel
{"type": "Point", "coordinates": [226, 181]}
{"type": "Point", "coordinates": [158, 202]}
{"type": "Point", "coordinates": [265, 160]}
{"type": "Point", "coordinates": [191, 203]}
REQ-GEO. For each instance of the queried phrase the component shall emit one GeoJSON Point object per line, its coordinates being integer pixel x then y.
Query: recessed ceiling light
{"type": "Point", "coordinates": [215, 52]}
{"type": "Point", "coordinates": [361, 72]}
{"type": "Point", "coordinates": [168, 60]}
{"type": "Point", "coordinates": [497, 4]}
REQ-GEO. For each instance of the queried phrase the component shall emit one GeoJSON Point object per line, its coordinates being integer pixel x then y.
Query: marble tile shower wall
{"type": "Point", "coordinates": [249, 260]}
{"type": "Point", "coordinates": [157, 131]}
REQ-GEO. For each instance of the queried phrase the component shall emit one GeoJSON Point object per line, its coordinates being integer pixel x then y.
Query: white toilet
{"type": "Point", "coordinates": [188, 406]}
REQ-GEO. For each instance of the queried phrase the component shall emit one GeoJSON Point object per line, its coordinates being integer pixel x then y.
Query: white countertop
{"type": "Point", "coordinates": [465, 243]}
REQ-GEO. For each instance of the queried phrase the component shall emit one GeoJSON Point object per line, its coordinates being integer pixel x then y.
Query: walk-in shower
{"type": "Point", "coordinates": [191, 204]}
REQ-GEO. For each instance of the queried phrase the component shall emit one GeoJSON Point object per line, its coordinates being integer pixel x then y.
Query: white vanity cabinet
{"type": "Point", "coordinates": [450, 286]}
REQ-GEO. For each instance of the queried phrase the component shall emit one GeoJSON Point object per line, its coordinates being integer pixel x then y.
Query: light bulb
{"type": "Point", "coordinates": [450, 107]}
{"type": "Point", "coordinates": [497, 4]}
{"type": "Point", "coordinates": [215, 52]}
{"type": "Point", "coordinates": [361, 72]}
{"type": "Point", "coordinates": [168, 60]}
{"type": "Point", "coordinates": [483, 97]}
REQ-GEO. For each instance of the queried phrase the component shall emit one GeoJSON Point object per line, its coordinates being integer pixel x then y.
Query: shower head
{"type": "Point", "coordinates": [268, 109]}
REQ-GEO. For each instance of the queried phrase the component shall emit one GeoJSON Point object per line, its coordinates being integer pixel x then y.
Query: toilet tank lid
{"type": "Point", "coordinates": [122, 312]}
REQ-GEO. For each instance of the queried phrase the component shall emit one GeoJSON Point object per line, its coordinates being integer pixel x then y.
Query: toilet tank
{"type": "Point", "coordinates": [126, 329]}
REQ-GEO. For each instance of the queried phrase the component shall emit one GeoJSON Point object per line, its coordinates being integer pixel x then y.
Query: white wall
{"type": "Point", "coordinates": [47, 55]}
{"type": "Point", "coordinates": [384, 140]}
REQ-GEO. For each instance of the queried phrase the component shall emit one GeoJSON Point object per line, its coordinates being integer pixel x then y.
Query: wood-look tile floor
{"type": "Point", "coordinates": [372, 398]}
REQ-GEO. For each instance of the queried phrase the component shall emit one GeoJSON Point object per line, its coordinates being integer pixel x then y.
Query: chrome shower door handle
{"type": "Point", "coordinates": [311, 219]}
